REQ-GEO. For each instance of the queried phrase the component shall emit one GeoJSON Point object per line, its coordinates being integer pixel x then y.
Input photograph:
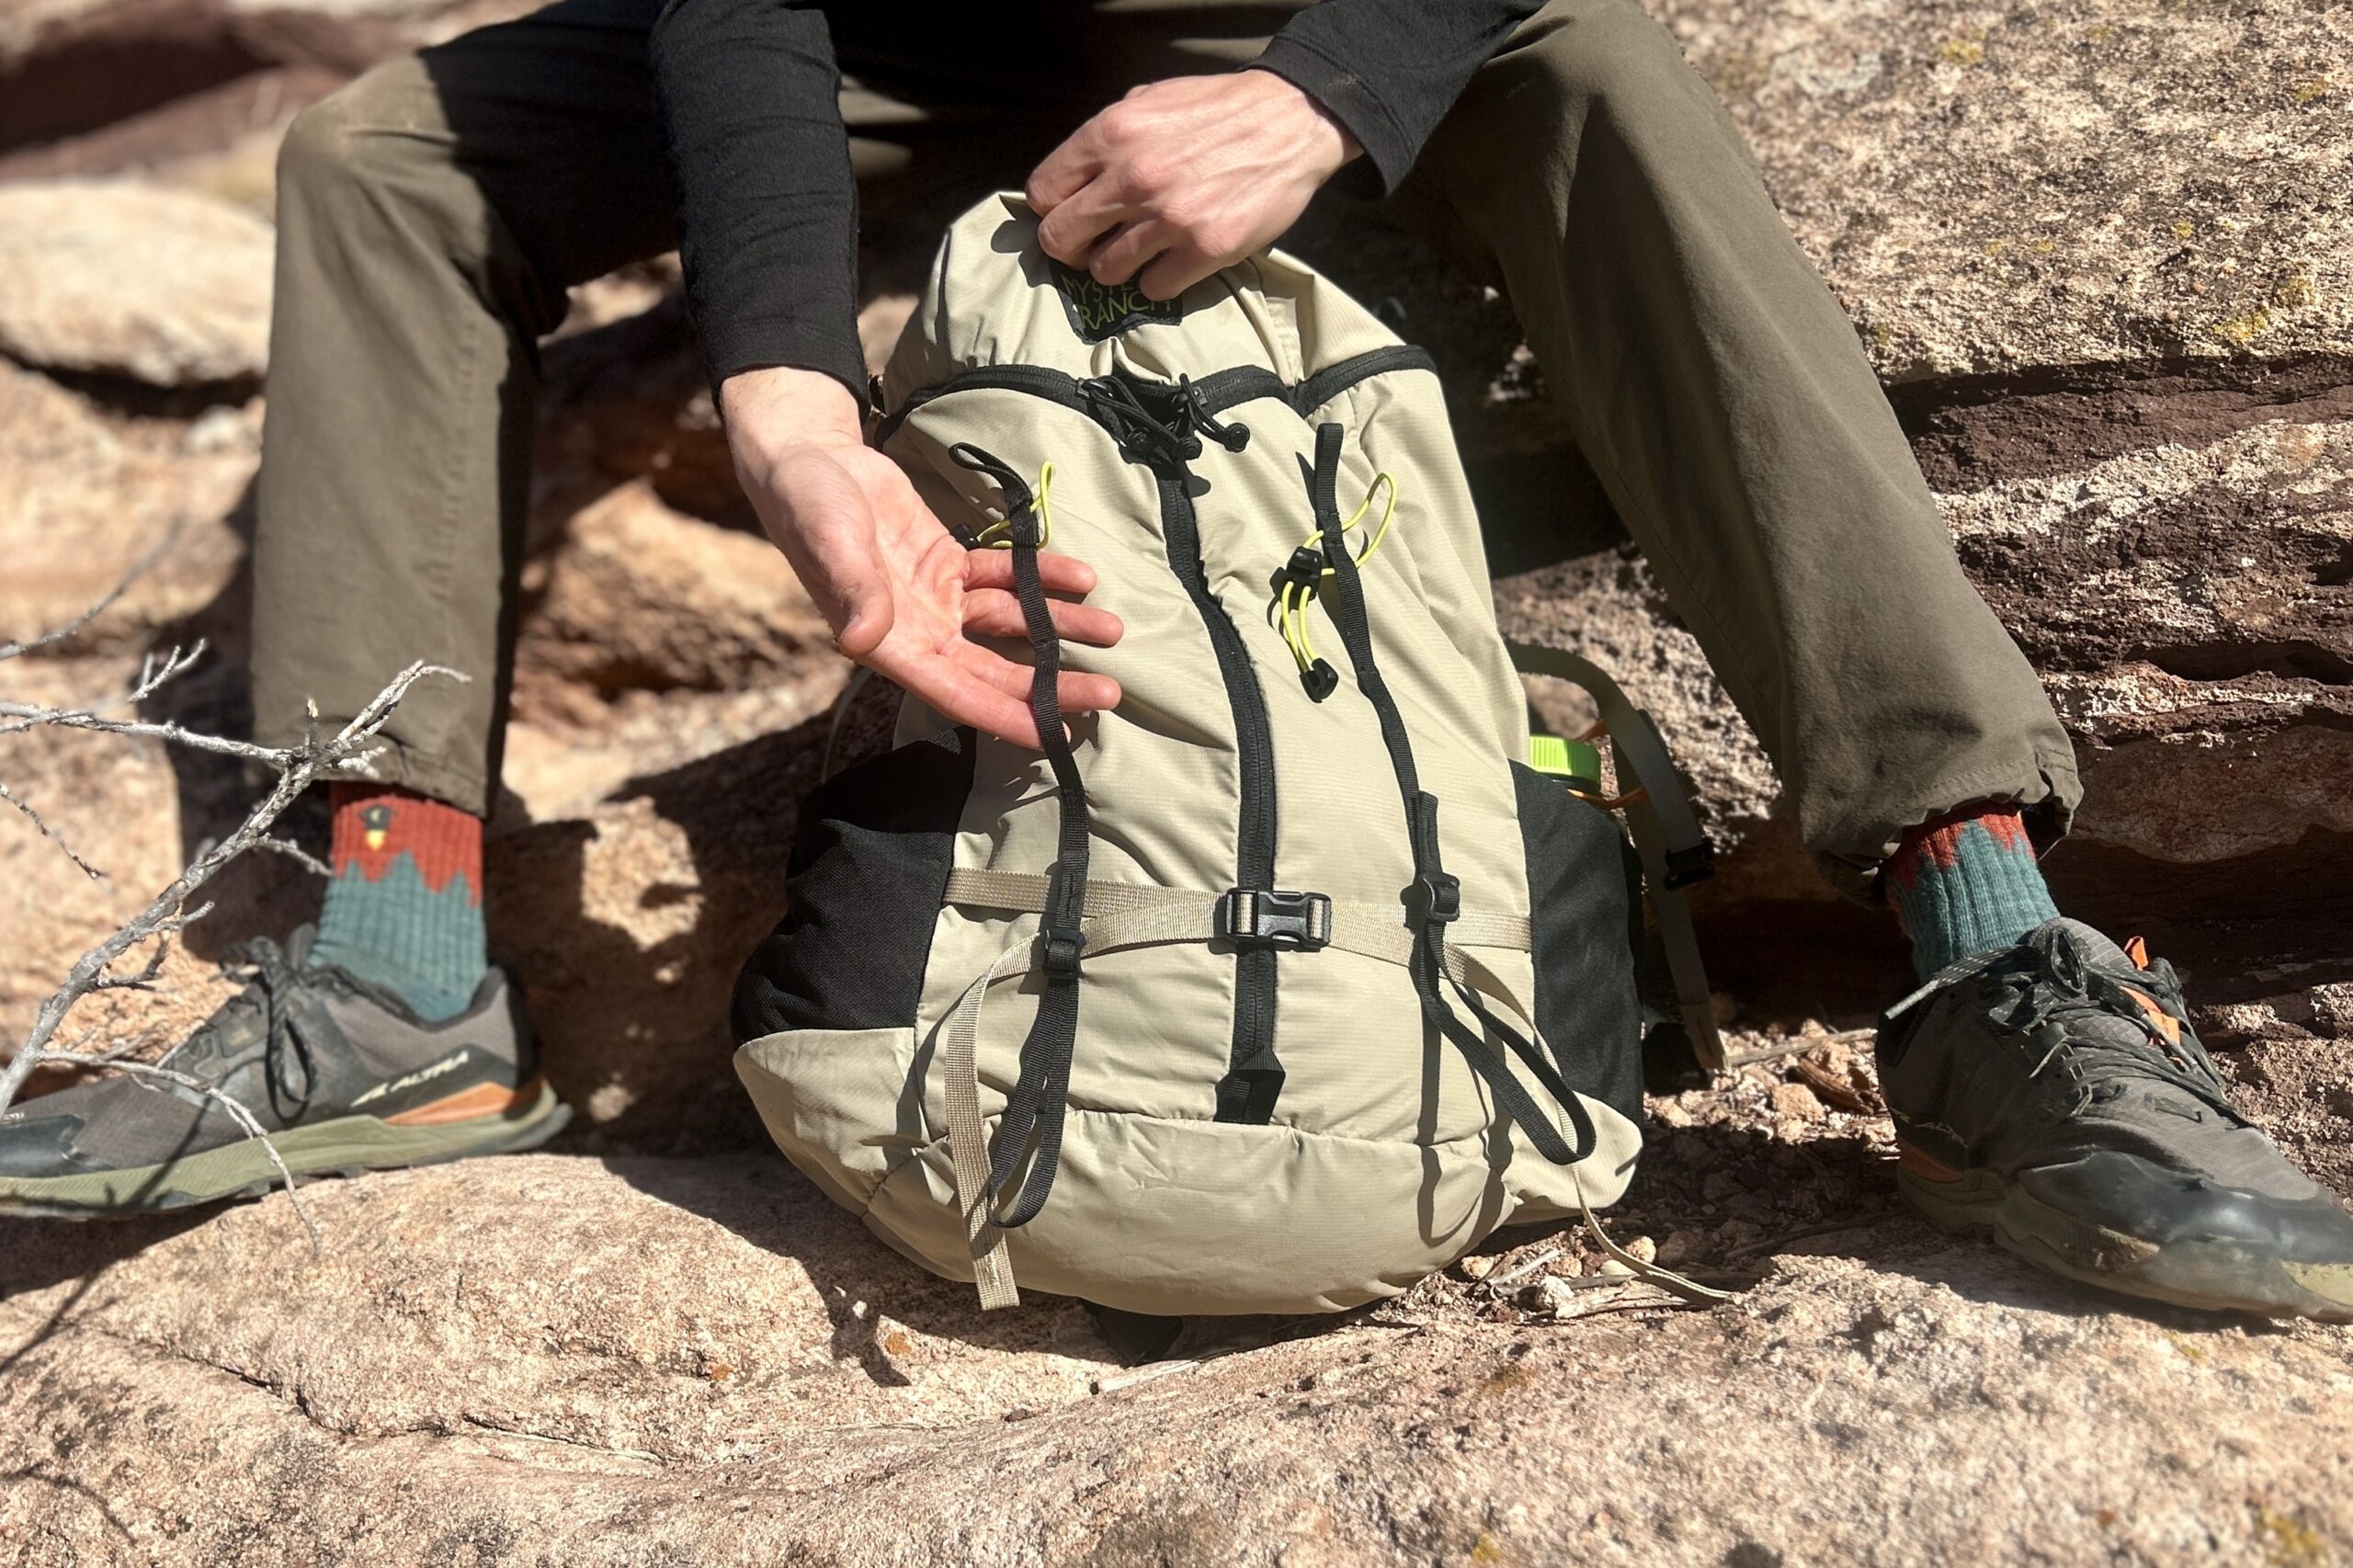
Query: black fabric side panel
{"type": "Point", "coordinates": [869, 867]}
{"type": "Point", "coordinates": [1585, 894]}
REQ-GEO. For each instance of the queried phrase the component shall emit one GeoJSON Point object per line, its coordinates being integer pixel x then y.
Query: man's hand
{"type": "Point", "coordinates": [901, 595]}
{"type": "Point", "coordinates": [1184, 176]}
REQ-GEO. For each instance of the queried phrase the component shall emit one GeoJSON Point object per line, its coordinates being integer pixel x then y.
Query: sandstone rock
{"type": "Point", "coordinates": [68, 66]}
{"type": "Point", "coordinates": [119, 279]}
{"type": "Point", "coordinates": [85, 498]}
{"type": "Point", "coordinates": [638, 597]}
{"type": "Point", "coordinates": [702, 1360]}
{"type": "Point", "coordinates": [1999, 187]}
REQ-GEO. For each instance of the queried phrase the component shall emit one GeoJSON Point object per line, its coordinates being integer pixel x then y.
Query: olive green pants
{"type": "Point", "coordinates": [432, 214]}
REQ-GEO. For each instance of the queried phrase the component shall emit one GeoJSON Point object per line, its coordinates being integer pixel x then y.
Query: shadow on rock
{"type": "Point", "coordinates": [865, 1285]}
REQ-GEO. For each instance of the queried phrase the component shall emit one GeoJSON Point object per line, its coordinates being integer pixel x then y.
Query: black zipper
{"type": "Point", "coordinates": [1222, 390]}
{"type": "Point", "coordinates": [1253, 1077]}
{"type": "Point", "coordinates": [1219, 390]}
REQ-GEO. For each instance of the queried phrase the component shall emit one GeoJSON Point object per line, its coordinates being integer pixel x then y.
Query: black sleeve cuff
{"type": "Point", "coordinates": [1343, 93]}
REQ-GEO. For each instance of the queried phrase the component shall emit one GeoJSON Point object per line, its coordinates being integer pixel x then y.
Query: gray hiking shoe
{"type": "Point", "coordinates": [2054, 1095]}
{"type": "Point", "coordinates": [342, 1076]}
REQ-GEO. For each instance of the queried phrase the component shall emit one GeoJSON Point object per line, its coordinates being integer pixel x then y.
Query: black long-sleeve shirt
{"type": "Point", "coordinates": [747, 92]}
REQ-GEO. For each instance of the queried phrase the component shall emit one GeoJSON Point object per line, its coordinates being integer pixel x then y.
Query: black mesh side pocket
{"type": "Point", "coordinates": [869, 867]}
{"type": "Point", "coordinates": [1584, 889]}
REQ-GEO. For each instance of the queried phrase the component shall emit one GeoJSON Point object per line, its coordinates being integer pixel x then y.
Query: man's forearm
{"type": "Point", "coordinates": [749, 99]}
{"type": "Point", "coordinates": [1389, 69]}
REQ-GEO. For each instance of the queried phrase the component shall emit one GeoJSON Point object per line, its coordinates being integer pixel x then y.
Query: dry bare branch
{"type": "Point", "coordinates": [298, 767]}
{"type": "Point", "coordinates": [50, 833]}
{"type": "Point", "coordinates": [295, 853]}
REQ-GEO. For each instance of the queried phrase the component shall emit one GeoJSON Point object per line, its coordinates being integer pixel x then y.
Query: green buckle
{"type": "Point", "coordinates": [1576, 763]}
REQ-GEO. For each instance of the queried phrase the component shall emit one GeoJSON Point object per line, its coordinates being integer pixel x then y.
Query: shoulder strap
{"type": "Point", "coordinates": [1675, 852]}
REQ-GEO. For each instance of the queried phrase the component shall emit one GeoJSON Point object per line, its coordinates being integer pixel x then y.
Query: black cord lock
{"type": "Point", "coordinates": [1436, 899]}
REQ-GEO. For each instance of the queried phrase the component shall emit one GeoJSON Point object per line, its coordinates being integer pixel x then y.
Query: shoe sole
{"type": "Point", "coordinates": [2210, 1275]}
{"type": "Point", "coordinates": [346, 1146]}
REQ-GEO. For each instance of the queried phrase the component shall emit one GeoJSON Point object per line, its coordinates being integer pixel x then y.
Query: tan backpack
{"type": "Point", "coordinates": [1285, 983]}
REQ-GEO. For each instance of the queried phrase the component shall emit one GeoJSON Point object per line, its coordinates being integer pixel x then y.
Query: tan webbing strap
{"type": "Point", "coordinates": [1357, 926]}
{"type": "Point", "coordinates": [1130, 914]}
{"type": "Point", "coordinates": [1666, 833]}
{"type": "Point", "coordinates": [967, 1140]}
{"type": "Point", "coordinates": [1182, 917]}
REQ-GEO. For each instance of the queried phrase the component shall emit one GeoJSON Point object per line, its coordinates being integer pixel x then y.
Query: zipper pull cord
{"type": "Point", "coordinates": [1232, 437]}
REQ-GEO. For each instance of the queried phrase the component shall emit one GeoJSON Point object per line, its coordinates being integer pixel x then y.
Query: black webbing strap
{"type": "Point", "coordinates": [1038, 1098]}
{"type": "Point", "coordinates": [1436, 898]}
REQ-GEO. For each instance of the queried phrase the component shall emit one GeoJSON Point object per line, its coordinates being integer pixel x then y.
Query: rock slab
{"type": "Point", "coordinates": [118, 279]}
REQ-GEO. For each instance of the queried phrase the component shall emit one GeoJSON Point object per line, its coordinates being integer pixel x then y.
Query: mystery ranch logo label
{"type": "Point", "coordinates": [1098, 310]}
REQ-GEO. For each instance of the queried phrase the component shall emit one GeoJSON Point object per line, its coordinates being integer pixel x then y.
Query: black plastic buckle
{"type": "Point", "coordinates": [1062, 948]}
{"type": "Point", "coordinates": [1693, 863]}
{"type": "Point", "coordinates": [1258, 918]}
{"type": "Point", "coordinates": [1435, 899]}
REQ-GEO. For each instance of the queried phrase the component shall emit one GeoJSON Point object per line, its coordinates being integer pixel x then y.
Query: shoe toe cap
{"type": "Point", "coordinates": [39, 1146]}
{"type": "Point", "coordinates": [2153, 1203]}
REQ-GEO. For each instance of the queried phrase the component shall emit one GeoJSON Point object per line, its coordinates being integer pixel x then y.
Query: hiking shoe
{"type": "Point", "coordinates": [340, 1073]}
{"type": "Point", "coordinates": [2054, 1094]}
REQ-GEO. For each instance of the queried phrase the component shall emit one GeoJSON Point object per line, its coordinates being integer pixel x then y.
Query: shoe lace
{"type": "Point", "coordinates": [2046, 980]}
{"type": "Point", "coordinates": [271, 977]}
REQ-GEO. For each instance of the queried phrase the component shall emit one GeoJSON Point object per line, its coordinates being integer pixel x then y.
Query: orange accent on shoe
{"type": "Point", "coordinates": [2167, 1025]}
{"type": "Point", "coordinates": [482, 1099]}
{"type": "Point", "coordinates": [1923, 1166]}
{"type": "Point", "coordinates": [2138, 951]}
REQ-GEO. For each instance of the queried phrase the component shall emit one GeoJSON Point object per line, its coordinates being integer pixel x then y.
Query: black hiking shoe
{"type": "Point", "coordinates": [2054, 1095]}
{"type": "Point", "coordinates": [340, 1073]}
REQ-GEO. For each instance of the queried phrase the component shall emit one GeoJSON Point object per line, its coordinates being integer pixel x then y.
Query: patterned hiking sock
{"type": "Point", "coordinates": [404, 909]}
{"type": "Point", "coordinates": [1966, 882]}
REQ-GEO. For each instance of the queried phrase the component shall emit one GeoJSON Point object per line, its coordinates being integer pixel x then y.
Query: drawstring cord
{"type": "Point", "coordinates": [1302, 575]}
{"type": "Point", "coordinates": [999, 534]}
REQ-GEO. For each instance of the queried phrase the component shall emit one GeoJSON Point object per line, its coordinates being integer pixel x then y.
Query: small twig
{"type": "Point", "coordinates": [28, 716]}
{"type": "Point", "coordinates": [138, 569]}
{"type": "Point", "coordinates": [1833, 1089]}
{"type": "Point", "coordinates": [1153, 1373]}
{"type": "Point", "coordinates": [296, 853]}
{"type": "Point", "coordinates": [1658, 1301]}
{"type": "Point", "coordinates": [1524, 1270]}
{"type": "Point", "coordinates": [237, 1113]}
{"type": "Point", "coordinates": [50, 833]}
{"type": "Point", "coordinates": [1798, 1047]}
{"type": "Point", "coordinates": [1831, 1228]}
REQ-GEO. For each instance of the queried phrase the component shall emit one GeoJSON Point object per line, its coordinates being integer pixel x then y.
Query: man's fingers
{"type": "Point", "coordinates": [963, 697]}
{"type": "Point", "coordinates": [1178, 268]}
{"type": "Point", "coordinates": [1076, 690]}
{"type": "Point", "coordinates": [1058, 574]}
{"type": "Point", "coordinates": [1070, 230]}
{"type": "Point", "coordinates": [1125, 253]}
{"type": "Point", "coordinates": [1081, 692]}
{"type": "Point", "coordinates": [993, 612]}
{"type": "Point", "coordinates": [1065, 170]}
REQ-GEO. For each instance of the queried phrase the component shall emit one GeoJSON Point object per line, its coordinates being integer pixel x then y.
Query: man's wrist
{"type": "Point", "coordinates": [1338, 144]}
{"type": "Point", "coordinates": [783, 404]}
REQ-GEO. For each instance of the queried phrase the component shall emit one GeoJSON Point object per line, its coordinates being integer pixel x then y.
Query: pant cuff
{"type": "Point", "coordinates": [2045, 790]}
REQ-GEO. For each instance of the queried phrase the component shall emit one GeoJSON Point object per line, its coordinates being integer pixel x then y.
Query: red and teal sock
{"type": "Point", "coordinates": [1964, 884]}
{"type": "Point", "coordinates": [405, 908]}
